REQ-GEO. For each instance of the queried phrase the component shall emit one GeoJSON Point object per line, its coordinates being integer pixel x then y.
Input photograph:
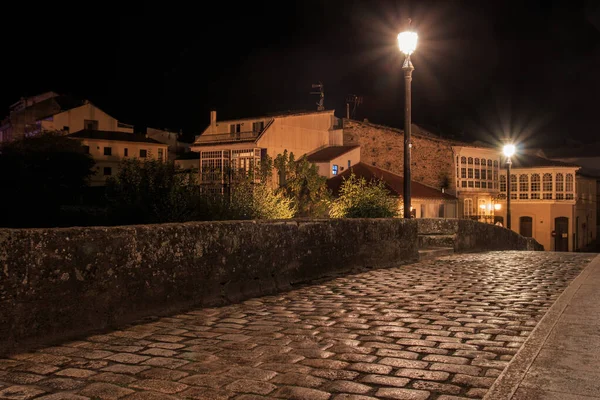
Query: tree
{"type": "Point", "coordinates": [361, 199]}
{"type": "Point", "coordinates": [152, 192]}
{"type": "Point", "coordinates": [39, 175]}
{"type": "Point", "coordinates": [251, 197]}
{"type": "Point", "coordinates": [300, 181]}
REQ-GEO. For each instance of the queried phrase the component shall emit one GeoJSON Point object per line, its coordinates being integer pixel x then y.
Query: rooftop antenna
{"type": "Point", "coordinates": [321, 93]}
{"type": "Point", "coordinates": [355, 100]}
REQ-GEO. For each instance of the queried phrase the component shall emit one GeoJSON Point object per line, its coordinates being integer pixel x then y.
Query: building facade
{"type": "Point", "coordinates": [546, 202]}
{"type": "Point", "coordinates": [238, 146]}
{"type": "Point", "coordinates": [53, 112]}
{"type": "Point", "coordinates": [171, 139]}
{"type": "Point", "coordinates": [109, 148]}
{"type": "Point", "coordinates": [477, 185]}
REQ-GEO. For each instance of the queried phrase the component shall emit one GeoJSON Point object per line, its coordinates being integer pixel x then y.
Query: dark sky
{"type": "Point", "coordinates": [483, 69]}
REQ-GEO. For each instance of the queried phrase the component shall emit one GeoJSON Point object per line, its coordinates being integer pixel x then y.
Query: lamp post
{"type": "Point", "coordinates": [407, 41]}
{"type": "Point", "coordinates": [509, 150]}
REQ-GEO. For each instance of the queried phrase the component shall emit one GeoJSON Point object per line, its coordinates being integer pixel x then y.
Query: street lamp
{"type": "Point", "coordinates": [509, 150]}
{"type": "Point", "coordinates": [407, 41]}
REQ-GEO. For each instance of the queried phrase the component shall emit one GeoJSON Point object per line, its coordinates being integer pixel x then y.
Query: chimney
{"type": "Point", "coordinates": [213, 117]}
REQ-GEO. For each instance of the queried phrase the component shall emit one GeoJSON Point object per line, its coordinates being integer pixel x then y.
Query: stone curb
{"type": "Point", "coordinates": [509, 380]}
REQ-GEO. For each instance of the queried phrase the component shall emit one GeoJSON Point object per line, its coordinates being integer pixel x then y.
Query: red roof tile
{"type": "Point", "coordinates": [394, 183]}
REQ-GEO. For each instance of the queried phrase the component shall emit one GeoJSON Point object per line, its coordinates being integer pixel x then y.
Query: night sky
{"type": "Point", "coordinates": [483, 69]}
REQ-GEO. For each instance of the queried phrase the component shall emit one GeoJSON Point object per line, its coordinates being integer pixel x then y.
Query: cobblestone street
{"type": "Point", "coordinates": [438, 329]}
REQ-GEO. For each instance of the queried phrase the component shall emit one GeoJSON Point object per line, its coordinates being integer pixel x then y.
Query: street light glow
{"type": "Point", "coordinates": [407, 41]}
{"type": "Point", "coordinates": [509, 150]}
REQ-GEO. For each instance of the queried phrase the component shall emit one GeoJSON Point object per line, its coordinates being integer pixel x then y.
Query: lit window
{"type": "Point", "coordinates": [468, 207]}
{"type": "Point", "coordinates": [334, 170]}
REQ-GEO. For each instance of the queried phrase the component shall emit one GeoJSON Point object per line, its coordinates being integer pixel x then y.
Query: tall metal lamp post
{"type": "Point", "coordinates": [407, 41]}
{"type": "Point", "coordinates": [508, 150]}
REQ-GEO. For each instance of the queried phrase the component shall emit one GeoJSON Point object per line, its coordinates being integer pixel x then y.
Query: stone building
{"type": "Point", "coordinates": [452, 166]}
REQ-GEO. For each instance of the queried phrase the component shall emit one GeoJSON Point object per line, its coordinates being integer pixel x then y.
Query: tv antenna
{"type": "Point", "coordinates": [355, 101]}
{"type": "Point", "coordinates": [321, 93]}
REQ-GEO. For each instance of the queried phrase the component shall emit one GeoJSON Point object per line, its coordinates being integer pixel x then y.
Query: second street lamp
{"type": "Point", "coordinates": [508, 150]}
{"type": "Point", "coordinates": [407, 41]}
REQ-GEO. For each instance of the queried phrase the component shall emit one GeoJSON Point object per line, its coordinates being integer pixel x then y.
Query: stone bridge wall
{"type": "Point", "coordinates": [58, 283]}
{"type": "Point", "coordinates": [476, 236]}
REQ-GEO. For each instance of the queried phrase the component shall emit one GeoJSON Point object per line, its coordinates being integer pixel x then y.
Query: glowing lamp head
{"type": "Point", "coordinates": [497, 206]}
{"type": "Point", "coordinates": [509, 150]}
{"type": "Point", "coordinates": [407, 41]}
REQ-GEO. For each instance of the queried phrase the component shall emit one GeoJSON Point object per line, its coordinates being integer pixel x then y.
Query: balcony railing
{"type": "Point", "coordinates": [248, 136]}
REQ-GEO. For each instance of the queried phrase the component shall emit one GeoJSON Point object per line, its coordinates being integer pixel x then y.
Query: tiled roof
{"type": "Point", "coordinates": [531, 161]}
{"type": "Point", "coordinates": [290, 113]}
{"type": "Point", "coordinates": [111, 135]}
{"type": "Point", "coordinates": [329, 153]}
{"type": "Point", "coordinates": [394, 183]}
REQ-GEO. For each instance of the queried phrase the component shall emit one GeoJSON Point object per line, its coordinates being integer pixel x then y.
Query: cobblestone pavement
{"type": "Point", "coordinates": [439, 329]}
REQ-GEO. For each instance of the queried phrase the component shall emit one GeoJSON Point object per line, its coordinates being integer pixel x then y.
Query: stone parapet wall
{"type": "Point", "coordinates": [59, 283]}
{"type": "Point", "coordinates": [476, 236]}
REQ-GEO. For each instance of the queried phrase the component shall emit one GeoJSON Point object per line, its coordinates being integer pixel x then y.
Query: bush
{"type": "Point", "coordinates": [151, 192]}
{"type": "Point", "coordinates": [361, 199]}
{"type": "Point", "coordinates": [39, 175]}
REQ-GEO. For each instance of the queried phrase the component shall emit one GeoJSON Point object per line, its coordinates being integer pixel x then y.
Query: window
{"type": "Point", "coordinates": [235, 128]}
{"type": "Point", "coordinates": [126, 152]}
{"type": "Point", "coordinates": [569, 187]}
{"type": "Point", "coordinates": [489, 163]}
{"type": "Point", "coordinates": [160, 154]}
{"type": "Point", "coordinates": [477, 173]}
{"type": "Point", "coordinates": [490, 175]}
{"type": "Point", "coordinates": [495, 164]}
{"type": "Point", "coordinates": [90, 124]}
{"type": "Point", "coordinates": [107, 171]}
{"type": "Point", "coordinates": [513, 186]}
{"type": "Point", "coordinates": [334, 170]}
{"type": "Point", "coordinates": [470, 184]}
{"type": "Point", "coordinates": [463, 184]}
{"type": "Point", "coordinates": [463, 173]}
{"type": "Point", "coordinates": [483, 162]}
{"type": "Point", "coordinates": [468, 207]}
{"type": "Point", "coordinates": [143, 153]}
{"type": "Point", "coordinates": [86, 149]}
{"type": "Point", "coordinates": [470, 160]}
{"type": "Point", "coordinates": [560, 183]}
{"type": "Point", "coordinates": [547, 186]}
{"type": "Point", "coordinates": [503, 183]}
{"type": "Point", "coordinates": [258, 126]}
{"type": "Point", "coordinates": [523, 183]}
{"type": "Point", "coordinates": [463, 160]}
{"type": "Point", "coordinates": [66, 128]}
{"type": "Point", "coordinates": [470, 171]}
{"type": "Point", "coordinates": [483, 175]}
{"type": "Point", "coordinates": [108, 151]}
{"type": "Point", "coordinates": [484, 185]}
{"type": "Point", "coordinates": [535, 186]}
{"type": "Point", "coordinates": [477, 161]}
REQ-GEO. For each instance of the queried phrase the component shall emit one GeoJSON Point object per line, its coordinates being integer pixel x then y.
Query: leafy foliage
{"type": "Point", "coordinates": [39, 175]}
{"type": "Point", "coordinates": [152, 192]}
{"type": "Point", "coordinates": [361, 199]}
{"type": "Point", "coordinates": [300, 181]}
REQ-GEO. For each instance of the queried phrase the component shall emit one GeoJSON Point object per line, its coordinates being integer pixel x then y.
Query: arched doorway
{"type": "Point", "coordinates": [526, 226]}
{"type": "Point", "coordinates": [561, 237]}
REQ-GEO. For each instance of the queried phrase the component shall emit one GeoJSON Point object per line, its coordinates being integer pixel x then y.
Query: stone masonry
{"type": "Point", "coordinates": [382, 146]}
{"type": "Point", "coordinates": [441, 329]}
